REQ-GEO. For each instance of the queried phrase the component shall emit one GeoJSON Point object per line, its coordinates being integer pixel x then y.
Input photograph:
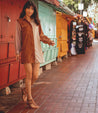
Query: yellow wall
{"type": "Point", "coordinates": [61, 34]}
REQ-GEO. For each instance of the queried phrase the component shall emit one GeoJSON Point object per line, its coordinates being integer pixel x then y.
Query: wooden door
{"type": "Point", "coordinates": [62, 32]}
{"type": "Point", "coordinates": [48, 19]}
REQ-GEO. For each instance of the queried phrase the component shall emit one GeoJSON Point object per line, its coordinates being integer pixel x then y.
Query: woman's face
{"type": "Point", "coordinates": [29, 11]}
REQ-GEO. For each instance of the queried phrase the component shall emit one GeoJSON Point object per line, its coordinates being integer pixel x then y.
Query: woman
{"type": "Point", "coordinates": [28, 37]}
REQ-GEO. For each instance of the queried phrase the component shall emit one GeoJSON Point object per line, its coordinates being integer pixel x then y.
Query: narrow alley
{"type": "Point", "coordinates": [52, 42]}
{"type": "Point", "coordinates": [69, 87]}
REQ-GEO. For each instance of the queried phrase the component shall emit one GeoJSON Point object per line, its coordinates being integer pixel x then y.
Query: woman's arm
{"type": "Point", "coordinates": [44, 38]}
{"type": "Point", "coordinates": [18, 38]}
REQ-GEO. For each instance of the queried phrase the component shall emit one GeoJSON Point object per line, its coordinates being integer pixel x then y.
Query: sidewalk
{"type": "Point", "coordinates": [70, 87]}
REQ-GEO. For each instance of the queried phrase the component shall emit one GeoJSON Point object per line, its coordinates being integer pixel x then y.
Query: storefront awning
{"type": "Point", "coordinates": [61, 7]}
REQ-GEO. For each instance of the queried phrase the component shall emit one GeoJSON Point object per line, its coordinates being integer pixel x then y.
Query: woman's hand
{"type": "Point", "coordinates": [17, 57]}
{"type": "Point", "coordinates": [52, 43]}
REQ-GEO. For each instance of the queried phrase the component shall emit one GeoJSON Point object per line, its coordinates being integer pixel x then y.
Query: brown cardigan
{"type": "Point", "coordinates": [27, 47]}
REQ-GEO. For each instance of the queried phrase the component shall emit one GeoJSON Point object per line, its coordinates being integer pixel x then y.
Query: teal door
{"type": "Point", "coordinates": [48, 22]}
{"type": "Point", "coordinates": [48, 19]}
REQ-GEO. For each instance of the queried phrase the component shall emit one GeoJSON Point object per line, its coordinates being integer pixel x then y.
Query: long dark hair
{"type": "Point", "coordinates": [34, 16]}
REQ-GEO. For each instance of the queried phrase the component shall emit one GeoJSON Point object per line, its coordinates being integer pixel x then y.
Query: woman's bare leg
{"type": "Point", "coordinates": [28, 80]}
{"type": "Point", "coordinates": [35, 72]}
{"type": "Point", "coordinates": [28, 69]}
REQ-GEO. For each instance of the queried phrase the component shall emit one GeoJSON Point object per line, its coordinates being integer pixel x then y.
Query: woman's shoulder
{"type": "Point", "coordinates": [20, 19]}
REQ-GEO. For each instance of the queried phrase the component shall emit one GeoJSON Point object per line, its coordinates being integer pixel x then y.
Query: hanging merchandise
{"type": "Point", "coordinates": [73, 38]}
{"type": "Point", "coordinates": [80, 38]}
{"type": "Point", "coordinates": [86, 28]}
{"type": "Point", "coordinates": [73, 48]}
{"type": "Point", "coordinates": [91, 26]}
{"type": "Point", "coordinates": [90, 38]}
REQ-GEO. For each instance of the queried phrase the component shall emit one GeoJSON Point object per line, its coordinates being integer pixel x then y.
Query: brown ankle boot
{"type": "Point", "coordinates": [32, 104]}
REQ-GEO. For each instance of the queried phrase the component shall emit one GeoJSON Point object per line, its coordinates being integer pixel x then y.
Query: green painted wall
{"type": "Point", "coordinates": [48, 19]}
{"type": "Point", "coordinates": [48, 22]}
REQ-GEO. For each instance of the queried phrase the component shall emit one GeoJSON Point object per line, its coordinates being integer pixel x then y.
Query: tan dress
{"type": "Point", "coordinates": [38, 50]}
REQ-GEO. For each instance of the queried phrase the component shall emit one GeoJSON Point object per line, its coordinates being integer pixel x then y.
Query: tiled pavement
{"type": "Point", "coordinates": [70, 87]}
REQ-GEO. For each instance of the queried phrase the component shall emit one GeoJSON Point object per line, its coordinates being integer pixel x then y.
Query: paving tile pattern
{"type": "Point", "coordinates": [70, 87]}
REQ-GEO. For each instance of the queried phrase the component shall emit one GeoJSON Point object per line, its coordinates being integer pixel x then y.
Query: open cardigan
{"type": "Point", "coordinates": [28, 37]}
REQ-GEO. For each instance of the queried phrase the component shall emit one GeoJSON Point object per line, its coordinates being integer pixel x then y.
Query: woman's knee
{"type": "Point", "coordinates": [29, 76]}
{"type": "Point", "coordinates": [28, 69]}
